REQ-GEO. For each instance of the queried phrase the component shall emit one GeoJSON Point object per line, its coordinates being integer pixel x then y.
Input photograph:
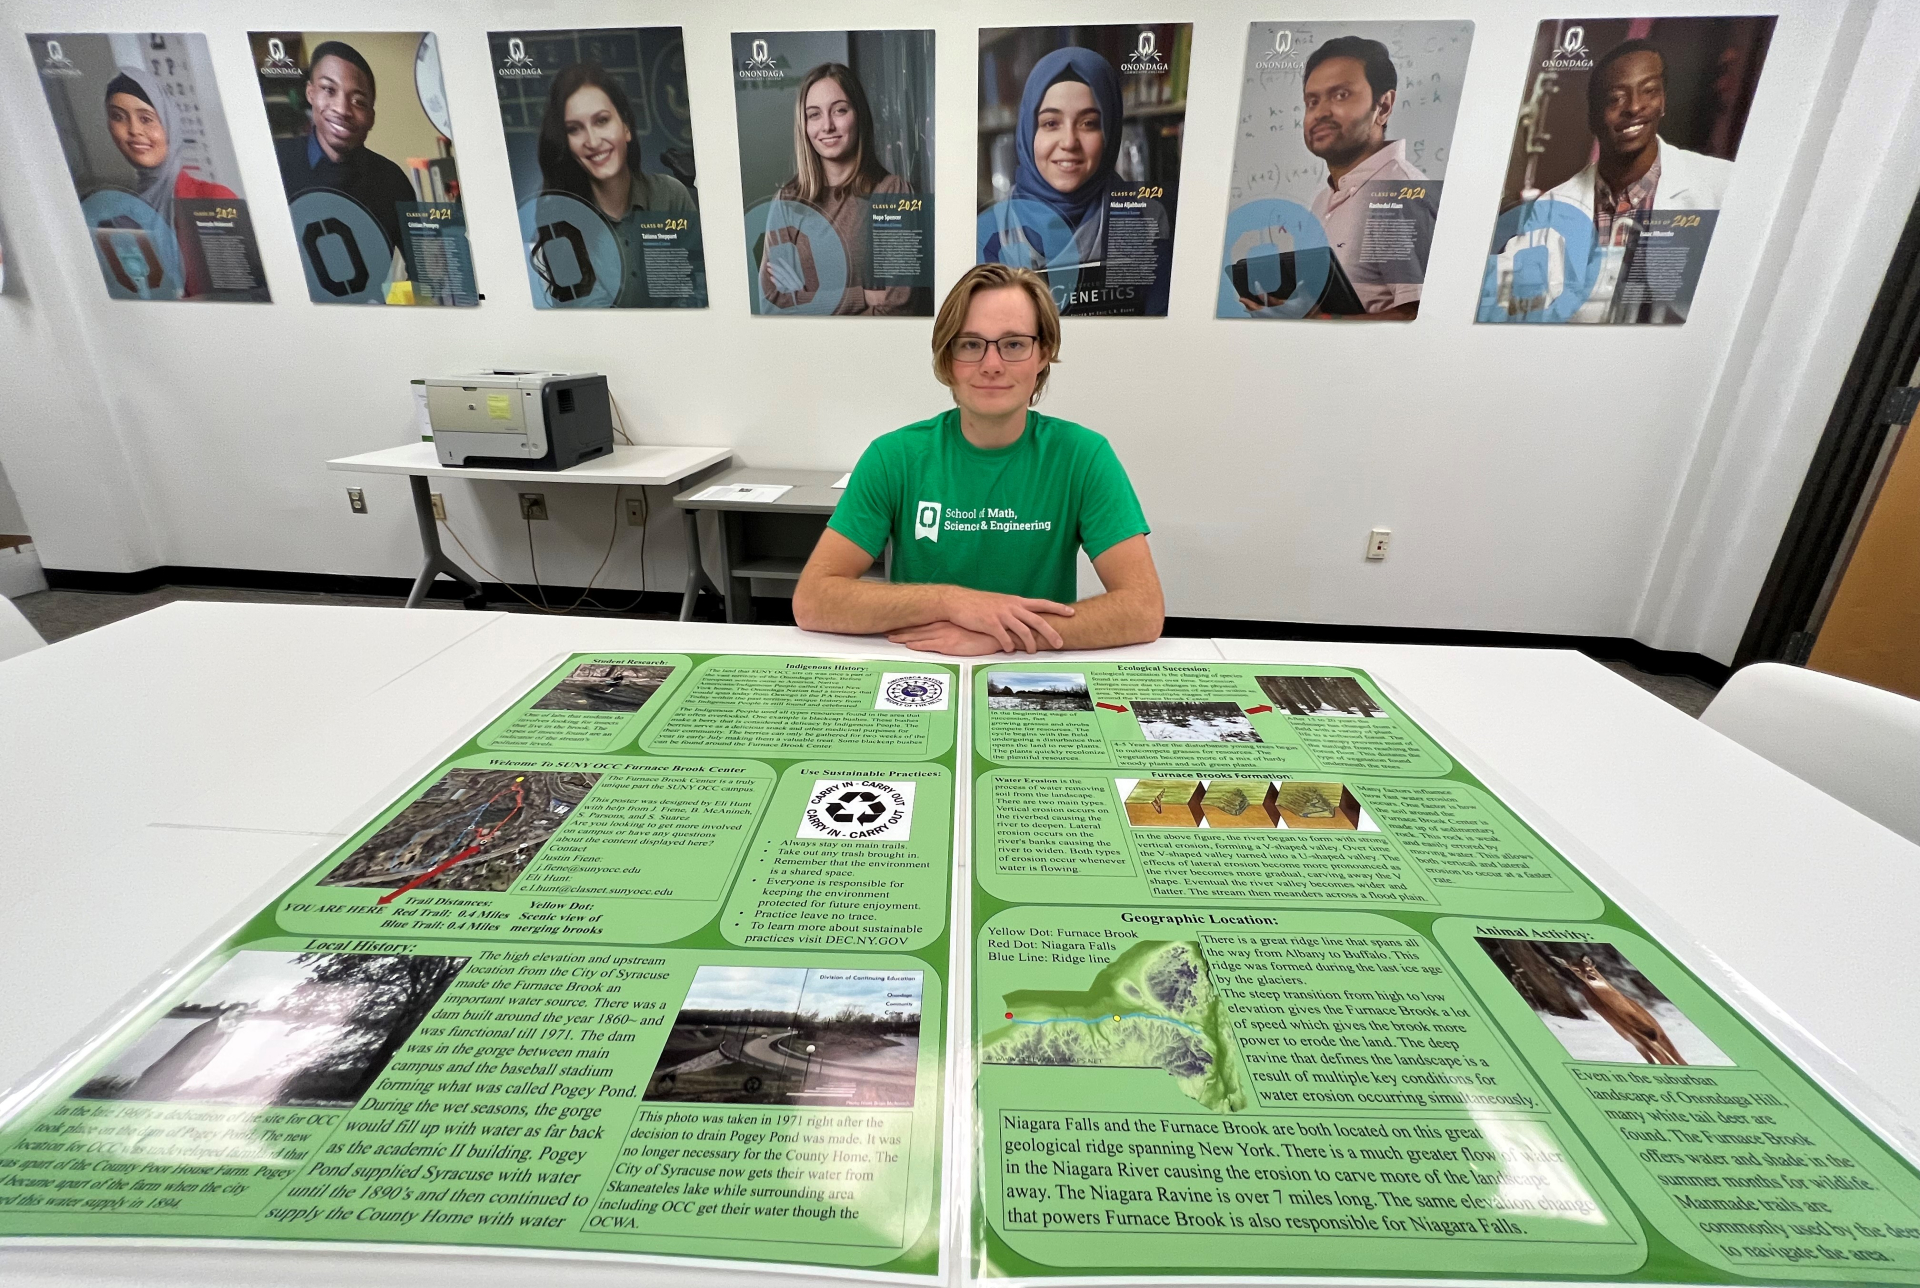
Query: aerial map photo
{"type": "Point", "coordinates": [1153, 1007]}
{"type": "Point", "coordinates": [475, 829]}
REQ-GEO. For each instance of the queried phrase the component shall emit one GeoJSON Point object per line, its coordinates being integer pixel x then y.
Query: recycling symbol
{"type": "Point", "coordinates": [856, 807]}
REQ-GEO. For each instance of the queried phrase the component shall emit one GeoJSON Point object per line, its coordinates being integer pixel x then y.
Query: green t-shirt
{"type": "Point", "coordinates": [1006, 519]}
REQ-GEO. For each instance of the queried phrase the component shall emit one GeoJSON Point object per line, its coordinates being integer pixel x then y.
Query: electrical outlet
{"type": "Point", "coordinates": [533, 505]}
{"type": "Point", "coordinates": [636, 512]}
{"type": "Point", "coordinates": [357, 500]}
{"type": "Point", "coordinates": [439, 507]}
{"type": "Point", "coordinates": [1377, 542]}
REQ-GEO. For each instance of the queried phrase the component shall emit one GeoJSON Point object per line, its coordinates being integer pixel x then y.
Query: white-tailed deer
{"type": "Point", "coordinates": [1629, 1019]}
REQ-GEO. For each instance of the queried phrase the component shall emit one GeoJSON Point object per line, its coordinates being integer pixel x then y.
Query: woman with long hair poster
{"type": "Point", "coordinates": [835, 165]}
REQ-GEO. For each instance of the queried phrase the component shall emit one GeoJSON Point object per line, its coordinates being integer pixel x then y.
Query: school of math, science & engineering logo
{"type": "Point", "coordinates": [1146, 57]}
{"type": "Point", "coordinates": [1281, 58]}
{"type": "Point", "coordinates": [56, 62]}
{"type": "Point", "coordinates": [1571, 54]}
{"type": "Point", "coordinates": [911, 693]}
{"type": "Point", "coordinates": [761, 65]}
{"type": "Point", "coordinates": [518, 64]}
{"type": "Point", "coordinates": [845, 809]}
{"type": "Point", "coordinates": [277, 63]}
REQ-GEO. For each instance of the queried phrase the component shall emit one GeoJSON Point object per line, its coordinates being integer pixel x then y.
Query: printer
{"type": "Point", "coordinates": [520, 420]}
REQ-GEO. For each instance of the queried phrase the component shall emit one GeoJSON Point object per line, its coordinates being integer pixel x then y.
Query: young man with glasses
{"type": "Point", "coordinates": [987, 504]}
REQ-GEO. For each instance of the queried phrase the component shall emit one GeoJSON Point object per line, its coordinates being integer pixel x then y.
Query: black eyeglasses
{"type": "Point", "coordinates": [1011, 348]}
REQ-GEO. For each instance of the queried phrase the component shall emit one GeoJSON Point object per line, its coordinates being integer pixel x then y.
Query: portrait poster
{"type": "Point", "coordinates": [365, 144]}
{"type": "Point", "coordinates": [1339, 159]}
{"type": "Point", "coordinates": [1622, 155]}
{"type": "Point", "coordinates": [1079, 166]}
{"type": "Point", "coordinates": [600, 146]}
{"type": "Point", "coordinates": [146, 143]}
{"type": "Point", "coordinates": [836, 170]}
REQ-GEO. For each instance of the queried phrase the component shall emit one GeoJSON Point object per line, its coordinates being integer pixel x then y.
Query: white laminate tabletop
{"type": "Point", "coordinates": [647, 465]}
{"type": "Point", "coordinates": [421, 713]}
{"type": "Point", "coordinates": [1790, 890]}
{"type": "Point", "coordinates": [197, 758]}
{"type": "Point", "coordinates": [109, 730]}
{"type": "Point", "coordinates": [178, 766]}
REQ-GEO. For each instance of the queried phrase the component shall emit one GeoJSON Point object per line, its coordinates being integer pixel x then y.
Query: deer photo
{"type": "Point", "coordinates": [1629, 1019]}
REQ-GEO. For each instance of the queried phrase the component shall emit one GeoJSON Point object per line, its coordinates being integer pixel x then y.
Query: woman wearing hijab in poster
{"type": "Point", "coordinates": [837, 172]}
{"type": "Point", "coordinates": [144, 126]}
{"type": "Point", "coordinates": [588, 150]}
{"type": "Point", "coordinates": [1067, 144]}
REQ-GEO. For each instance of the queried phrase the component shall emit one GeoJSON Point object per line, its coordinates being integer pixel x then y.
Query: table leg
{"type": "Point", "coordinates": [729, 546]}
{"type": "Point", "coordinates": [436, 558]}
{"type": "Point", "coordinates": [696, 568]}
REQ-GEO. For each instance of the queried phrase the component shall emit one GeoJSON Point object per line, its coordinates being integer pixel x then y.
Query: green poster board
{"type": "Point", "coordinates": [1264, 982]}
{"type": "Point", "coordinates": [655, 964]}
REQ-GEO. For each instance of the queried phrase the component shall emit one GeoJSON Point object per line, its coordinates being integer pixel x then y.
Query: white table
{"type": "Point", "coordinates": [810, 495]}
{"type": "Point", "coordinates": [285, 723]}
{"type": "Point", "coordinates": [644, 466]}
{"type": "Point", "coordinates": [183, 764]}
{"type": "Point", "coordinates": [1791, 901]}
{"type": "Point", "coordinates": [109, 732]}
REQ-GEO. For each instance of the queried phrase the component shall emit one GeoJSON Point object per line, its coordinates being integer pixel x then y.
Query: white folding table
{"type": "Point", "coordinates": [179, 766]}
{"type": "Point", "coordinates": [1789, 901]}
{"type": "Point", "coordinates": [644, 466]}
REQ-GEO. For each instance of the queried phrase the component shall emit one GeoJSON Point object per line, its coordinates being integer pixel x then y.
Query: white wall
{"type": "Point", "coordinates": [1571, 480]}
{"type": "Point", "coordinates": [1853, 187]}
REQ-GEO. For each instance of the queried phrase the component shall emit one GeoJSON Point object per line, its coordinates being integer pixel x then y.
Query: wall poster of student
{"type": "Point", "coordinates": [600, 145]}
{"type": "Point", "coordinates": [365, 144]}
{"type": "Point", "coordinates": [1079, 171]}
{"type": "Point", "coordinates": [1340, 154]}
{"type": "Point", "coordinates": [836, 170]}
{"type": "Point", "coordinates": [146, 142]}
{"type": "Point", "coordinates": [1622, 155]}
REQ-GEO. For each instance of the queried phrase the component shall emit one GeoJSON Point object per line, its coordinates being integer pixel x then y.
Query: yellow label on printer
{"type": "Point", "coordinates": [499, 407]}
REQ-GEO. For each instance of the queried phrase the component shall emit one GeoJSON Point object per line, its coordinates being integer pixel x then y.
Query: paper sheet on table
{"type": "Point", "coordinates": [744, 492]}
{"type": "Point", "coordinates": [844, 479]}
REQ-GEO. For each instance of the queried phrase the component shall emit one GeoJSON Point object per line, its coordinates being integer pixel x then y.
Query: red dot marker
{"type": "Point", "coordinates": [1009, 1014]}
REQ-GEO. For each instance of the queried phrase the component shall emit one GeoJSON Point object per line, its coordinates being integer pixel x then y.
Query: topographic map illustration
{"type": "Point", "coordinates": [1153, 1007]}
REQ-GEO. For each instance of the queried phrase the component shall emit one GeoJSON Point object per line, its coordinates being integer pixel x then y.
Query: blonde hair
{"type": "Point", "coordinates": [952, 317]}
{"type": "Point", "coordinates": [810, 176]}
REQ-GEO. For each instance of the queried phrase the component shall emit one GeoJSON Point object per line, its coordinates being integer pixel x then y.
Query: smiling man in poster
{"type": "Point", "coordinates": [340, 98]}
{"type": "Point", "coordinates": [1633, 173]}
{"type": "Point", "coordinates": [1611, 223]}
{"type": "Point", "coordinates": [1348, 97]}
{"type": "Point", "coordinates": [1334, 203]}
{"type": "Point", "coordinates": [364, 142]}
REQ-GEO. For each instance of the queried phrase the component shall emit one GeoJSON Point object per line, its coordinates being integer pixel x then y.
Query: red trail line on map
{"type": "Point", "coordinates": [480, 837]}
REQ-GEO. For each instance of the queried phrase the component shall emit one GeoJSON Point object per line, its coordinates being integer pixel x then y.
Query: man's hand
{"type": "Point", "coordinates": [832, 597]}
{"type": "Point", "coordinates": [1014, 624]}
{"type": "Point", "coordinates": [945, 637]}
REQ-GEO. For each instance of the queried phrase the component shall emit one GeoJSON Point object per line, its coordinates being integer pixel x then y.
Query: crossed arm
{"type": "Point", "coordinates": [971, 623]}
